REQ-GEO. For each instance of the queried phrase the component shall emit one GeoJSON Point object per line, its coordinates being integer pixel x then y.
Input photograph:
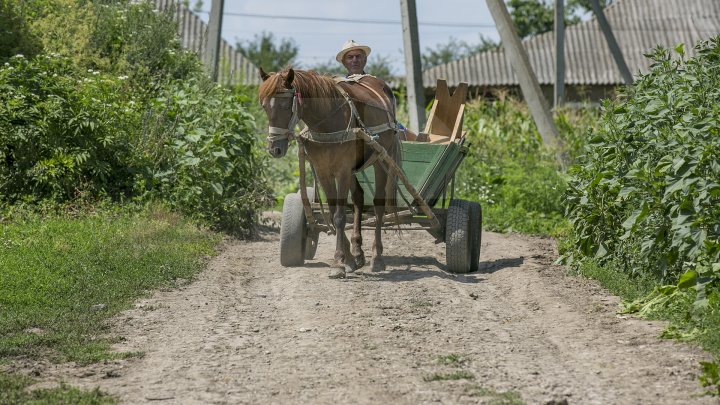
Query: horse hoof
{"type": "Point", "coordinates": [337, 273]}
{"type": "Point", "coordinates": [359, 261]}
{"type": "Point", "coordinates": [349, 269]}
{"type": "Point", "coordinates": [378, 265]}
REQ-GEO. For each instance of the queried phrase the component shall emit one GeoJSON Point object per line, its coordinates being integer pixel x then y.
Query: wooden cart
{"type": "Point", "coordinates": [427, 176]}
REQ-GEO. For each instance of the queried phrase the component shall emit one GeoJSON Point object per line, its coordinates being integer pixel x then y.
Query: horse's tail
{"type": "Point", "coordinates": [391, 187]}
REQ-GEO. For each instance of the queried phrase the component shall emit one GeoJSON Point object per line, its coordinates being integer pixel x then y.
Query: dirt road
{"type": "Point", "coordinates": [250, 331]}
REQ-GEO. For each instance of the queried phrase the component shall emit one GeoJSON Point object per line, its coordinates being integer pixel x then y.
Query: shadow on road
{"type": "Point", "coordinates": [499, 264]}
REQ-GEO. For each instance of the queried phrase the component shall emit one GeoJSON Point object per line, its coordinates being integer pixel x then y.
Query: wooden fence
{"type": "Point", "coordinates": [192, 31]}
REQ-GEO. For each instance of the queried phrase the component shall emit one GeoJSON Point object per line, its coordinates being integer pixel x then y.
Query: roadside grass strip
{"type": "Point", "coordinates": [13, 391]}
{"type": "Point", "coordinates": [61, 278]}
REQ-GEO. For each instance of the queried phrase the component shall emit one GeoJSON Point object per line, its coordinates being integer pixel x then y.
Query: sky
{"type": "Point", "coordinates": [319, 41]}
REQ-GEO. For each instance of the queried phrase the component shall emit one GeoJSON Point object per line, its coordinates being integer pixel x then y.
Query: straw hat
{"type": "Point", "coordinates": [351, 45]}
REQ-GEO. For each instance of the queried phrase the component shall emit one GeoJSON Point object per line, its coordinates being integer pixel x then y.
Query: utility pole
{"type": "Point", "coordinates": [413, 71]}
{"type": "Point", "coordinates": [612, 43]}
{"type": "Point", "coordinates": [212, 55]}
{"type": "Point", "coordinates": [559, 53]}
{"type": "Point", "coordinates": [518, 58]}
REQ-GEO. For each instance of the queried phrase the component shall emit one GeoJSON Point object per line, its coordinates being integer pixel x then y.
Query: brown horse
{"type": "Point", "coordinates": [331, 110]}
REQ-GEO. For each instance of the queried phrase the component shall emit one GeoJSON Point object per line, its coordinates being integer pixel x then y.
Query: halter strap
{"type": "Point", "coordinates": [279, 133]}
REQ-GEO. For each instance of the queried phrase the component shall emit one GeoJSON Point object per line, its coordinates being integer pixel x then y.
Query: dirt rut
{"type": "Point", "coordinates": [250, 331]}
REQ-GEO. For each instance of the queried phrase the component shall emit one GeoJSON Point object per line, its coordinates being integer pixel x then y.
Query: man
{"type": "Point", "coordinates": [353, 57]}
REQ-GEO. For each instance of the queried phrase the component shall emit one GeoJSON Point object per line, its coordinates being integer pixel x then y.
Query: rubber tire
{"type": "Point", "coordinates": [457, 237]}
{"type": "Point", "coordinates": [475, 235]}
{"type": "Point", "coordinates": [293, 230]}
{"type": "Point", "coordinates": [311, 241]}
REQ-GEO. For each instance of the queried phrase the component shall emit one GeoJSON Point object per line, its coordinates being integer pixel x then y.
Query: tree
{"type": "Point", "coordinates": [533, 17]}
{"type": "Point", "coordinates": [378, 65]}
{"type": "Point", "coordinates": [264, 52]}
{"type": "Point", "coordinates": [331, 67]}
{"type": "Point", "coordinates": [454, 50]}
{"type": "Point", "coordinates": [584, 5]}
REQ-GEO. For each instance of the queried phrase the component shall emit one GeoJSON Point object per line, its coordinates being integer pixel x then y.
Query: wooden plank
{"type": "Point", "coordinates": [457, 128]}
{"type": "Point", "coordinates": [430, 118]}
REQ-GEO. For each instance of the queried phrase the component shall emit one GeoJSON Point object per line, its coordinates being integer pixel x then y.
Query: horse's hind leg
{"type": "Point", "coordinates": [378, 264]}
{"type": "Point", "coordinates": [356, 239]}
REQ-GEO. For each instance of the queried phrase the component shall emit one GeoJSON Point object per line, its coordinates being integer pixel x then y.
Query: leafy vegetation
{"type": "Point", "coordinates": [510, 172]}
{"type": "Point", "coordinates": [15, 35]}
{"type": "Point", "coordinates": [119, 110]}
{"type": "Point", "coordinates": [264, 52]}
{"type": "Point", "coordinates": [533, 17]}
{"type": "Point", "coordinates": [646, 200]}
{"type": "Point", "coordinates": [377, 65]}
{"type": "Point", "coordinates": [454, 50]}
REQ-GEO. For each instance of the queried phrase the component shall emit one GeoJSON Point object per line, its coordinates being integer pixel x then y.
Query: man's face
{"type": "Point", "coordinates": [354, 61]}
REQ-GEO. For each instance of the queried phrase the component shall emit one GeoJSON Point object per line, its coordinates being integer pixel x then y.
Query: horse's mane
{"type": "Point", "coordinates": [310, 84]}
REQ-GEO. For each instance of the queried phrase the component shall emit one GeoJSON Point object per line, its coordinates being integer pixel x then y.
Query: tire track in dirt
{"type": "Point", "coordinates": [250, 331]}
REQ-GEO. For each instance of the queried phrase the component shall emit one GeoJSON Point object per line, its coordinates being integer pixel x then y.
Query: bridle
{"type": "Point", "coordinates": [278, 133]}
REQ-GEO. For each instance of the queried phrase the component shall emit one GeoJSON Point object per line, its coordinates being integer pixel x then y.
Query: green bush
{"type": "Point", "coordinates": [647, 193]}
{"type": "Point", "coordinates": [136, 40]}
{"type": "Point", "coordinates": [130, 115]}
{"type": "Point", "coordinates": [16, 36]}
{"type": "Point", "coordinates": [509, 171]}
{"type": "Point", "coordinates": [212, 168]}
{"type": "Point", "coordinates": [62, 132]}
{"type": "Point", "coordinates": [646, 198]}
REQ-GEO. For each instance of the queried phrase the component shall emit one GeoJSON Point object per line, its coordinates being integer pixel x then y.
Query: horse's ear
{"type": "Point", "coordinates": [290, 76]}
{"type": "Point", "coordinates": [264, 76]}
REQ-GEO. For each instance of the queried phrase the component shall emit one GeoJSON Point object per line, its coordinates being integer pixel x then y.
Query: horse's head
{"type": "Point", "coordinates": [280, 102]}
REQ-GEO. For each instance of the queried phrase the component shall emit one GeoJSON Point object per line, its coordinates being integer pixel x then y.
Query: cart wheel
{"type": "Point", "coordinates": [293, 229]}
{"type": "Point", "coordinates": [458, 237]}
{"type": "Point", "coordinates": [475, 235]}
{"type": "Point", "coordinates": [311, 242]}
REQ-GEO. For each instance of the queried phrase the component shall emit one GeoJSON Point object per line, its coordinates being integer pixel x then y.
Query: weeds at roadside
{"type": "Point", "coordinates": [451, 360]}
{"type": "Point", "coordinates": [492, 397]}
{"type": "Point", "coordinates": [455, 375]}
{"type": "Point", "coordinates": [13, 390]}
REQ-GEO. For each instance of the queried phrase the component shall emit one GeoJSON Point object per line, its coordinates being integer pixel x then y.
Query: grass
{"type": "Point", "coordinates": [492, 397]}
{"type": "Point", "coordinates": [13, 390]}
{"type": "Point", "coordinates": [62, 277]}
{"type": "Point", "coordinates": [455, 375]}
{"type": "Point", "coordinates": [451, 360]}
{"type": "Point", "coordinates": [618, 282]}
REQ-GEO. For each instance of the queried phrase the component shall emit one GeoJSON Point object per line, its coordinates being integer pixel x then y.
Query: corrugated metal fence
{"type": "Point", "coordinates": [234, 68]}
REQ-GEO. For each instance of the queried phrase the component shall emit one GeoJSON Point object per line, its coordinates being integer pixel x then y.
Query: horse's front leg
{"type": "Point", "coordinates": [337, 202]}
{"type": "Point", "coordinates": [356, 239]}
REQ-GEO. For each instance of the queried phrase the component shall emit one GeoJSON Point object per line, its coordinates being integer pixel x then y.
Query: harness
{"type": "Point", "coordinates": [344, 135]}
{"type": "Point", "coordinates": [278, 133]}
{"type": "Point", "coordinates": [369, 135]}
